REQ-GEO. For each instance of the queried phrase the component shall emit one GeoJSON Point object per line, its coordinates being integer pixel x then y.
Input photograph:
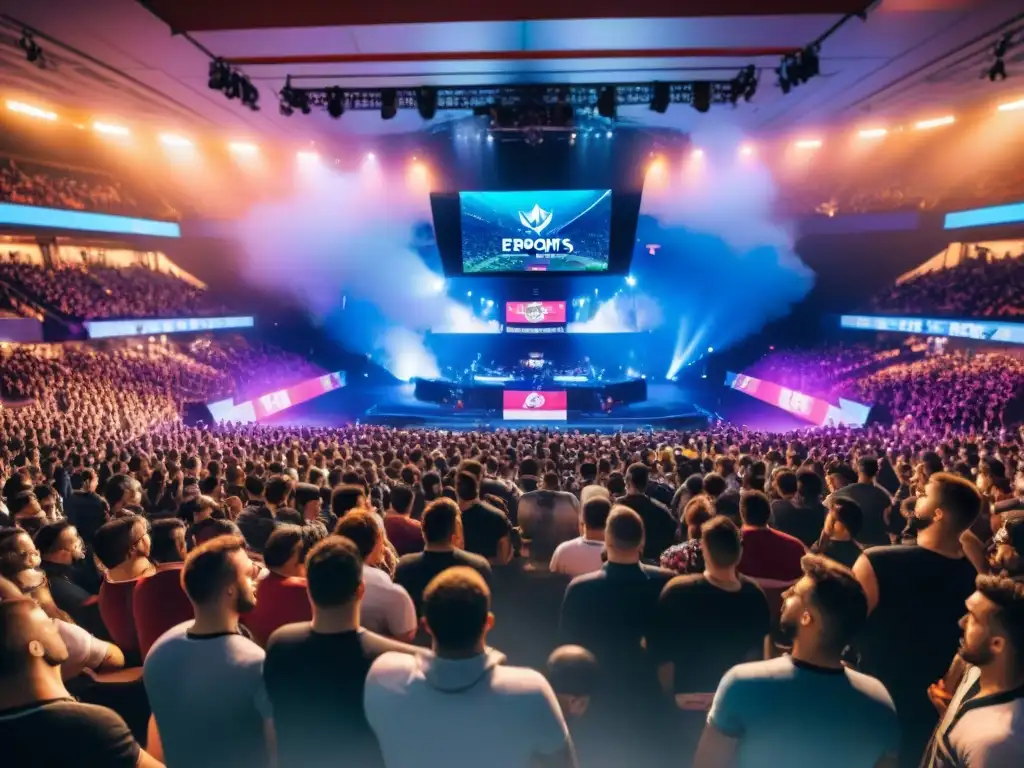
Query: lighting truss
{"type": "Point", "coordinates": [481, 97]}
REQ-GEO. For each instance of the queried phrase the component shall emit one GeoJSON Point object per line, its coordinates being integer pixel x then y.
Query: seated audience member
{"type": "Point", "coordinates": [26, 512]}
{"type": "Point", "coordinates": [256, 522]}
{"type": "Point", "coordinates": [123, 547]}
{"type": "Point", "coordinates": [839, 539]}
{"type": "Point", "coordinates": [204, 677]}
{"type": "Point", "coordinates": [794, 513]}
{"type": "Point", "coordinates": [40, 722]}
{"type": "Point", "coordinates": [875, 502]}
{"type": "Point", "coordinates": [61, 548]}
{"type": "Point", "coordinates": [17, 551]}
{"type": "Point", "coordinates": [310, 504]}
{"type": "Point", "coordinates": [486, 530]}
{"type": "Point", "coordinates": [981, 722]}
{"type": "Point", "coordinates": [732, 614]}
{"type": "Point", "coordinates": [688, 557]}
{"type": "Point", "coordinates": [159, 601]}
{"type": "Point", "coordinates": [612, 613]}
{"type": "Point", "coordinates": [442, 537]}
{"type": "Point", "coordinates": [85, 508]}
{"type": "Point", "coordinates": [769, 557]}
{"type": "Point", "coordinates": [281, 594]}
{"type": "Point", "coordinates": [548, 517]}
{"type": "Point", "coordinates": [807, 708]}
{"type": "Point", "coordinates": [659, 525]}
{"type": "Point", "coordinates": [915, 598]}
{"type": "Point", "coordinates": [404, 533]}
{"type": "Point", "coordinates": [315, 671]}
{"type": "Point", "coordinates": [386, 607]}
{"type": "Point", "coordinates": [584, 553]}
{"type": "Point", "coordinates": [411, 701]}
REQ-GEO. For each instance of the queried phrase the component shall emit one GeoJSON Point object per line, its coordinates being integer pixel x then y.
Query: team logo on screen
{"type": "Point", "coordinates": [534, 312]}
{"type": "Point", "coordinates": [536, 220]}
{"type": "Point", "coordinates": [534, 400]}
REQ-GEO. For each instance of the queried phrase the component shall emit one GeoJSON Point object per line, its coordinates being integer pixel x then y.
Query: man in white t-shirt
{"type": "Point", "coordinates": [460, 707]}
{"type": "Point", "coordinates": [387, 608]}
{"type": "Point", "coordinates": [204, 678]}
{"type": "Point", "coordinates": [583, 554]}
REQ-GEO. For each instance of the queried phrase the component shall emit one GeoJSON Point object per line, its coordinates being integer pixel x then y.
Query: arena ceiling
{"type": "Point", "coordinates": [118, 58]}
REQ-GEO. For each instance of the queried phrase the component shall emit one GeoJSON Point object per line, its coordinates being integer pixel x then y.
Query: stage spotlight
{"type": "Point", "coordinates": [937, 122]}
{"type": "Point", "coordinates": [388, 103]}
{"type": "Point", "coordinates": [873, 133]}
{"type": "Point", "coordinates": [998, 69]}
{"type": "Point", "coordinates": [744, 85]}
{"type": "Point", "coordinates": [250, 95]}
{"type": "Point", "coordinates": [292, 99]}
{"type": "Point", "coordinates": [469, 294]}
{"type": "Point", "coordinates": [608, 134]}
{"type": "Point", "coordinates": [243, 148]}
{"type": "Point", "coordinates": [711, 350]}
{"type": "Point", "coordinates": [370, 157]}
{"type": "Point", "coordinates": [1011, 106]}
{"type": "Point", "coordinates": [33, 53]}
{"type": "Point", "coordinates": [28, 109]}
{"type": "Point", "coordinates": [630, 281]}
{"type": "Point", "coordinates": [173, 140]}
{"type": "Point", "coordinates": [490, 138]}
{"type": "Point", "coordinates": [697, 154]}
{"type": "Point", "coordinates": [606, 102]}
{"type": "Point", "coordinates": [110, 130]}
{"type": "Point", "coordinates": [701, 96]}
{"type": "Point", "coordinates": [746, 150]}
{"type": "Point", "coordinates": [808, 144]}
{"type": "Point", "coordinates": [490, 302]}
{"type": "Point", "coordinates": [660, 97]}
{"type": "Point", "coordinates": [219, 75]}
{"type": "Point", "coordinates": [438, 285]}
{"type": "Point", "coordinates": [335, 102]}
{"type": "Point", "coordinates": [426, 102]}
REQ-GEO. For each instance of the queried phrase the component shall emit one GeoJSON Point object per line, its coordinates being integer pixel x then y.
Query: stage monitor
{"type": "Point", "coordinates": [535, 406]}
{"type": "Point", "coordinates": [535, 317]}
{"type": "Point", "coordinates": [538, 231]}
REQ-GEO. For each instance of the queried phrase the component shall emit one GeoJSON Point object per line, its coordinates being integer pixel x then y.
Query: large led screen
{"type": "Point", "coordinates": [539, 231]}
{"type": "Point", "coordinates": [535, 406]}
{"type": "Point", "coordinates": [531, 312]}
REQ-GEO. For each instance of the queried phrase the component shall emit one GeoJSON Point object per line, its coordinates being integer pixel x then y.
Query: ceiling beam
{"type": "Point", "coordinates": [436, 56]}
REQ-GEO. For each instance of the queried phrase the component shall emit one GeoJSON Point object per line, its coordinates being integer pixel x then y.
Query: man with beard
{"type": "Point", "coordinates": [61, 549]}
{"type": "Point", "coordinates": [807, 708]}
{"type": "Point", "coordinates": [204, 677]}
{"type": "Point", "coordinates": [915, 598]}
{"type": "Point", "coordinates": [981, 724]}
{"type": "Point", "coordinates": [40, 722]}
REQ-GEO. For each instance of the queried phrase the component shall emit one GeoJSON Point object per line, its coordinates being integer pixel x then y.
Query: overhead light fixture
{"type": "Point", "coordinates": [293, 98]}
{"type": "Point", "coordinates": [924, 125]}
{"type": "Point", "coordinates": [219, 75]}
{"type": "Point", "coordinates": [873, 133]}
{"type": "Point", "coordinates": [808, 143]}
{"type": "Point", "coordinates": [746, 150]}
{"type": "Point", "coordinates": [33, 53]}
{"type": "Point", "coordinates": [744, 85]}
{"type": "Point", "coordinates": [998, 69]}
{"type": "Point", "coordinates": [388, 103]}
{"type": "Point", "coordinates": [697, 154]}
{"type": "Point", "coordinates": [307, 156]}
{"type": "Point", "coordinates": [1011, 106]}
{"type": "Point", "coordinates": [797, 68]}
{"type": "Point", "coordinates": [426, 102]}
{"type": "Point", "coordinates": [110, 129]}
{"type": "Point", "coordinates": [233, 84]}
{"type": "Point", "coordinates": [701, 96]}
{"type": "Point", "coordinates": [335, 102]}
{"type": "Point", "coordinates": [174, 140]}
{"type": "Point", "coordinates": [243, 148]}
{"type": "Point", "coordinates": [607, 106]}
{"type": "Point", "coordinates": [661, 94]}
{"type": "Point", "coordinates": [30, 111]}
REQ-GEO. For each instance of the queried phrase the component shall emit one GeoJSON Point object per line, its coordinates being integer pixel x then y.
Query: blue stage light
{"type": "Point", "coordinates": [630, 281]}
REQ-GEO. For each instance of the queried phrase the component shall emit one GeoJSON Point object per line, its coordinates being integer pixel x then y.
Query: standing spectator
{"type": "Point", "coordinates": [981, 725]}
{"type": "Point", "coordinates": [281, 594]}
{"type": "Point", "coordinates": [315, 671]}
{"type": "Point", "coordinates": [798, 511]}
{"type": "Point", "coordinates": [583, 554]}
{"type": "Point", "coordinates": [548, 517]}
{"type": "Point", "coordinates": [839, 539]}
{"type": "Point", "coordinates": [486, 529]}
{"type": "Point", "coordinates": [412, 701]}
{"type": "Point", "coordinates": [659, 526]}
{"type": "Point", "coordinates": [732, 613]}
{"type": "Point", "coordinates": [442, 536]}
{"type": "Point", "coordinates": [915, 598]}
{"type": "Point", "coordinates": [805, 709]}
{"type": "Point", "coordinates": [386, 607]}
{"type": "Point", "coordinates": [874, 501]}
{"type": "Point", "coordinates": [204, 677]}
{"type": "Point", "coordinates": [404, 532]}
{"type": "Point", "coordinates": [40, 722]}
{"type": "Point", "coordinates": [688, 557]}
{"type": "Point", "coordinates": [769, 557]}
{"type": "Point", "coordinates": [159, 601]}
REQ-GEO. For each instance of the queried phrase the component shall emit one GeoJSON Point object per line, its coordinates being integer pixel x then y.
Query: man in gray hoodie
{"type": "Point", "coordinates": [459, 704]}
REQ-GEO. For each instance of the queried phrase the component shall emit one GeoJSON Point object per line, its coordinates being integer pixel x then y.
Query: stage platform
{"type": "Point", "coordinates": [668, 406]}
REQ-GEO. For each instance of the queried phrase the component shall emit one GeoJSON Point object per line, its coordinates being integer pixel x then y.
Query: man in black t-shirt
{"type": "Point", "coordinates": [315, 671]}
{"type": "Point", "coordinates": [707, 623]}
{"type": "Point", "coordinates": [40, 723]}
{"type": "Point", "coordinates": [659, 525]}
{"type": "Point", "coordinates": [486, 529]}
{"type": "Point", "coordinates": [916, 598]}
{"type": "Point", "coordinates": [442, 534]}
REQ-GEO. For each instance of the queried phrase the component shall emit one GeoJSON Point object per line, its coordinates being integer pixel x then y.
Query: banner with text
{"type": "Point", "coordinates": [535, 406]}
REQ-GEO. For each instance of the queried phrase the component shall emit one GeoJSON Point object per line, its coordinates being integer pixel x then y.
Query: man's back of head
{"type": "Point", "coordinates": [867, 467]}
{"type": "Point", "coordinates": [755, 509]}
{"type": "Point", "coordinates": [638, 475]}
{"type": "Point", "coordinates": [334, 573]}
{"type": "Point", "coordinates": [456, 608]}
{"type": "Point", "coordinates": [721, 542]}
{"type": "Point", "coordinates": [624, 535]}
{"type": "Point", "coordinates": [440, 523]}
{"type": "Point", "coordinates": [958, 499]}
{"type": "Point", "coordinates": [573, 672]}
{"type": "Point", "coordinates": [467, 487]}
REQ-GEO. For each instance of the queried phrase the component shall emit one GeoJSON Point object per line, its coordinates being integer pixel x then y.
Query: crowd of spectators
{"type": "Point", "coordinates": [820, 371]}
{"type": "Point", "coordinates": [254, 367]}
{"type": "Point", "coordinates": [975, 287]}
{"type": "Point", "coordinates": [28, 183]}
{"type": "Point", "coordinates": [403, 597]}
{"type": "Point", "coordinates": [92, 293]}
